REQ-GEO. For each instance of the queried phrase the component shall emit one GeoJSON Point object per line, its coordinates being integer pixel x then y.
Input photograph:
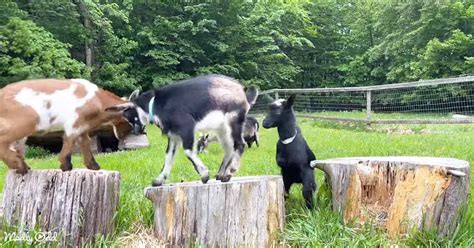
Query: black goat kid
{"type": "Point", "coordinates": [293, 153]}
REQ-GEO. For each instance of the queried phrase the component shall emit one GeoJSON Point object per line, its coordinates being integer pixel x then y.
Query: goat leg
{"type": "Point", "coordinates": [66, 152]}
{"type": "Point", "coordinates": [197, 163]}
{"type": "Point", "coordinates": [226, 141]}
{"type": "Point", "coordinates": [238, 146]}
{"type": "Point", "coordinates": [89, 160]}
{"type": "Point", "coordinates": [287, 182]}
{"type": "Point", "coordinates": [173, 142]}
{"type": "Point", "coordinates": [309, 186]}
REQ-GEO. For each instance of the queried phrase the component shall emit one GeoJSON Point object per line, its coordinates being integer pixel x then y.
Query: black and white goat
{"type": "Point", "coordinates": [211, 102]}
{"type": "Point", "coordinates": [250, 133]}
{"type": "Point", "coordinates": [204, 141]}
{"type": "Point", "coordinates": [293, 153]}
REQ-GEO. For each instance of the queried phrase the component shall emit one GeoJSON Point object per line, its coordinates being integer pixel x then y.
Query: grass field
{"type": "Point", "coordinates": [320, 227]}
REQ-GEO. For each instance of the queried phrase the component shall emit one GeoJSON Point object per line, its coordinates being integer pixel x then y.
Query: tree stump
{"type": "Point", "coordinates": [75, 205]}
{"type": "Point", "coordinates": [399, 193]}
{"type": "Point", "coordinates": [247, 211]}
{"type": "Point", "coordinates": [132, 141]}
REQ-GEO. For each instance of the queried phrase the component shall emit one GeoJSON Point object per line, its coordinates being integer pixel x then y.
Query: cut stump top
{"type": "Point", "coordinates": [450, 163]}
{"type": "Point", "coordinates": [197, 184]}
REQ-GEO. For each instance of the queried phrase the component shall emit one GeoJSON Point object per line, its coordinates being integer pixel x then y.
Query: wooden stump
{"type": "Point", "coordinates": [399, 193]}
{"type": "Point", "coordinates": [132, 141]}
{"type": "Point", "coordinates": [76, 205]}
{"type": "Point", "coordinates": [247, 211]}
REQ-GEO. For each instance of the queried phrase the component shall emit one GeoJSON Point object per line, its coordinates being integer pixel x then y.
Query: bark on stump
{"type": "Point", "coordinates": [76, 205]}
{"type": "Point", "coordinates": [399, 193]}
{"type": "Point", "coordinates": [247, 211]}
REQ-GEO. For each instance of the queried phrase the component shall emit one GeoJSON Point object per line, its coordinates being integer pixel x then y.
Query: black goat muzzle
{"type": "Point", "coordinates": [138, 129]}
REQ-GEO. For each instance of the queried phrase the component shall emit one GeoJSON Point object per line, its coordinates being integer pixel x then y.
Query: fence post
{"type": "Point", "coordinates": [276, 96]}
{"type": "Point", "coordinates": [369, 106]}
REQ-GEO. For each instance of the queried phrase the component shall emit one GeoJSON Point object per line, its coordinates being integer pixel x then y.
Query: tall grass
{"type": "Point", "coordinates": [316, 228]}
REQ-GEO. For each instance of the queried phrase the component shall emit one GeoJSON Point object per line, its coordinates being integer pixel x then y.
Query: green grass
{"type": "Point", "coordinates": [316, 228]}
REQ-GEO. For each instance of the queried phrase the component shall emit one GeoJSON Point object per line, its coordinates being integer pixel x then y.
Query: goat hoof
{"type": "Point", "coordinates": [226, 178]}
{"type": "Point", "coordinates": [157, 182]}
{"type": "Point", "coordinates": [66, 167]}
{"type": "Point", "coordinates": [93, 166]}
{"type": "Point", "coordinates": [26, 166]}
{"type": "Point", "coordinates": [204, 179]}
{"type": "Point", "coordinates": [22, 171]}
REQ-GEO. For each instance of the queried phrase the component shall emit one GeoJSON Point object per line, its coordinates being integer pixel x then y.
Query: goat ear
{"type": "Point", "coordinates": [207, 136]}
{"type": "Point", "coordinates": [268, 98]}
{"type": "Point", "coordinates": [290, 100]}
{"type": "Point", "coordinates": [120, 108]}
{"type": "Point", "coordinates": [134, 95]}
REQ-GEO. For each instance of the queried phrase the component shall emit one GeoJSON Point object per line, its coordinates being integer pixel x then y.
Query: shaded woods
{"type": "Point", "coordinates": [125, 44]}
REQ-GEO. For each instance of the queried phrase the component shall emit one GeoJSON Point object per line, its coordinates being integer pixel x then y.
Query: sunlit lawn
{"type": "Point", "coordinates": [303, 228]}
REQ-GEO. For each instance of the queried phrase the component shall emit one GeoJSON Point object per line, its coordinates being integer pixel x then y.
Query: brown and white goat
{"type": "Point", "coordinates": [75, 106]}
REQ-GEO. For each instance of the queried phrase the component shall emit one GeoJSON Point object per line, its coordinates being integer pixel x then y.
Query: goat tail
{"type": "Point", "coordinates": [252, 93]}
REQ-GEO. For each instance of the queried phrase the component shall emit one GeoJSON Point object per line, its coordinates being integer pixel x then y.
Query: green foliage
{"type": "Point", "coordinates": [452, 57]}
{"type": "Point", "coordinates": [318, 43]}
{"type": "Point", "coordinates": [9, 9]}
{"type": "Point", "coordinates": [416, 39]}
{"type": "Point", "coordinates": [29, 51]}
{"type": "Point", "coordinates": [36, 152]}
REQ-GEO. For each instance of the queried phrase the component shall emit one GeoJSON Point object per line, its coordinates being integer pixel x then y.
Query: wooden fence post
{"type": "Point", "coordinates": [369, 106]}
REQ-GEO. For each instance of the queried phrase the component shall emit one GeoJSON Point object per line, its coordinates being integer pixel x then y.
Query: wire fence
{"type": "Point", "coordinates": [438, 101]}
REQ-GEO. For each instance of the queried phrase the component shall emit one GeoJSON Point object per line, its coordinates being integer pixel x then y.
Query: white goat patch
{"type": "Point", "coordinates": [213, 121]}
{"type": "Point", "coordinates": [217, 123]}
{"type": "Point", "coordinates": [278, 102]}
{"type": "Point", "coordinates": [57, 110]}
{"type": "Point", "coordinates": [144, 118]}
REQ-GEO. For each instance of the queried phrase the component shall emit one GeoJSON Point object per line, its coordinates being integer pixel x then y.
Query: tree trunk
{"type": "Point", "coordinates": [247, 211]}
{"type": "Point", "coordinates": [399, 193]}
{"type": "Point", "coordinates": [76, 205]}
{"type": "Point", "coordinates": [87, 24]}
